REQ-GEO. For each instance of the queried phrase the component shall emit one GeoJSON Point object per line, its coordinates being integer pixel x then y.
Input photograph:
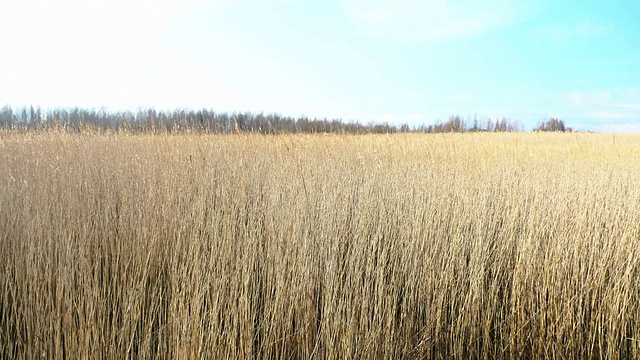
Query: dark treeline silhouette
{"type": "Point", "coordinates": [77, 120]}
{"type": "Point", "coordinates": [458, 124]}
{"type": "Point", "coordinates": [552, 125]}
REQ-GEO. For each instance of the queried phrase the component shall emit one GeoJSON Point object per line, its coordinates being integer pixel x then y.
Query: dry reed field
{"type": "Point", "coordinates": [320, 247]}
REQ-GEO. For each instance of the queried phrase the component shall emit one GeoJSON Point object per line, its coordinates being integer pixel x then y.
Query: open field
{"type": "Point", "coordinates": [376, 246]}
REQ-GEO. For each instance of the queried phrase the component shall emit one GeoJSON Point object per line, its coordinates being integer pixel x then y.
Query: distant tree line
{"type": "Point", "coordinates": [458, 124]}
{"type": "Point", "coordinates": [77, 120]}
{"type": "Point", "coordinates": [552, 125]}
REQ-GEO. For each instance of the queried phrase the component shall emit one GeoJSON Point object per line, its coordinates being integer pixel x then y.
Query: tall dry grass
{"type": "Point", "coordinates": [405, 246]}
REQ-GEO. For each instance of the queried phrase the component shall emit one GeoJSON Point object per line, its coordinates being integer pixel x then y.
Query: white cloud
{"type": "Point", "coordinates": [612, 110]}
{"type": "Point", "coordinates": [569, 32]}
{"type": "Point", "coordinates": [583, 98]}
{"type": "Point", "coordinates": [101, 53]}
{"type": "Point", "coordinates": [627, 127]}
{"type": "Point", "coordinates": [425, 20]}
{"type": "Point", "coordinates": [630, 106]}
{"type": "Point", "coordinates": [605, 101]}
{"type": "Point", "coordinates": [284, 67]}
{"type": "Point", "coordinates": [611, 115]}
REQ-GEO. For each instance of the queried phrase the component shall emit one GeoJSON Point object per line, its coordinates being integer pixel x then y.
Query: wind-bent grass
{"type": "Point", "coordinates": [403, 246]}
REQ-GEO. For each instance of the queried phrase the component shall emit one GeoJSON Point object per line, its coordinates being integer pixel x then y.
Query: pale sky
{"type": "Point", "coordinates": [366, 60]}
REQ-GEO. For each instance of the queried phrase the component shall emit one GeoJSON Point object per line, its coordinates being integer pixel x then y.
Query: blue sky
{"type": "Point", "coordinates": [397, 61]}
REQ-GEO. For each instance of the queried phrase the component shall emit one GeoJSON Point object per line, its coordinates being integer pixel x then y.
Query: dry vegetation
{"type": "Point", "coordinates": [378, 246]}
